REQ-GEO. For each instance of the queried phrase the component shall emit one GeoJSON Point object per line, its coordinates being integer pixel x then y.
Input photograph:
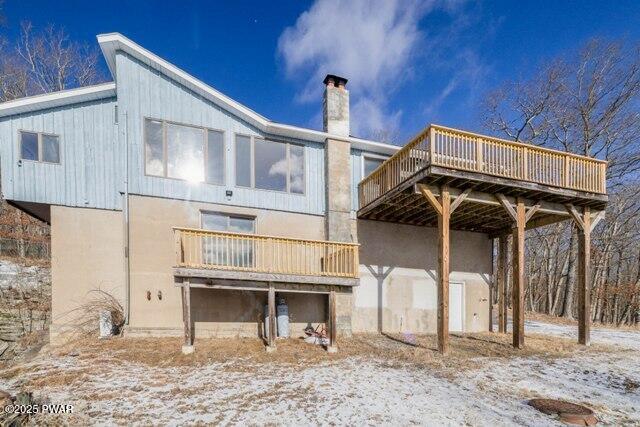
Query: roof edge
{"type": "Point", "coordinates": [57, 99]}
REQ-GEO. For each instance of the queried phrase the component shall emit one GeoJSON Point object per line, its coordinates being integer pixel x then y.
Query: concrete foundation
{"type": "Point", "coordinates": [397, 291]}
{"type": "Point", "coordinates": [87, 247]}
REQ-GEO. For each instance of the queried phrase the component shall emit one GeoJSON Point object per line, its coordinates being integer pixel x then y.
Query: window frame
{"type": "Point", "coordinates": [370, 156]}
{"type": "Point", "coordinates": [229, 215]}
{"type": "Point", "coordinates": [205, 150]}
{"type": "Point", "coordinates": [40, 146]}
{"type": "Point", "coordinates": [252, 164]}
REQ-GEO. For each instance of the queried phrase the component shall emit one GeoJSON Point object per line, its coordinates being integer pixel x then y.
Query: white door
{"type": "Point", "coordinates": [456, 307]}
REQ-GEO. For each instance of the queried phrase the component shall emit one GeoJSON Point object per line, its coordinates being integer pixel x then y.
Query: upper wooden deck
{"type": "Point", "coordinates": [482, 166]}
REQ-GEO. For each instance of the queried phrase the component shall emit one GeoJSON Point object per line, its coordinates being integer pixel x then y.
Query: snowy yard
{"type": "Point", "coordinates": [372, 380]}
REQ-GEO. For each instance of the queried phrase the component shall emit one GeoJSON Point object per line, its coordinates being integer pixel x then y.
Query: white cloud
{"type": "Point", "coordinates": [379, 46]}
{"type": "Point", "coordinates": [369, 42]}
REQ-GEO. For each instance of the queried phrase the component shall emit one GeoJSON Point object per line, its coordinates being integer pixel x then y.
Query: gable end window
{"type": "Point", "coordinates": [269, 165]}
{"type": "Point", "coordinates": [39, 147]}
{"type": "Point", "coordinates": [191, 153]}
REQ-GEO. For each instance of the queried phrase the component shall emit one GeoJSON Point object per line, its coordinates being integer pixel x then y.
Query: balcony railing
{"type": "Point", "coordinates": [204, 249]}
{"type": "Point", "coordinates": [455, 149]}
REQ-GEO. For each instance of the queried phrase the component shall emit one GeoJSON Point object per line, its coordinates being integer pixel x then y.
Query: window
{"type": "Point", "coordinates": [224, 251]}
{"type": "Point", "coordinates": [40, 147]}
{"type": "Point", "coordinates": [184, 152]}
{"type": "Point", "coordinates": [243, 161]}
{"type": "Point", "coordinates": [269, 165]}
{"type": "Point", "coordinates": [371, 164]}
{"type": "Point", "coordinates": [215, 157]}
{"type": "Point", "coordinates": [225, 222]}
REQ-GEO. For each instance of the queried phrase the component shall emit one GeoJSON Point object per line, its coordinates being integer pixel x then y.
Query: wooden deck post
{"type": "Point", "coordinates": [584, 272]}
{"type": "Point", "coordinates": [443, 208]}
{"type": "Point", "coordinates": [517, 292]}
{"type": "Point", "coordinates": [331, 322]}
{"type": "Point", "coordinates": [187, 347]}
{"type": "Point", "coordinates": [501, 278]}
{"type": "Point", "coordinates": [520, 216]}
{"type": "Point", "coordinates": [443, 270]}
{"type": "Point", "coordinates": [271, 302]}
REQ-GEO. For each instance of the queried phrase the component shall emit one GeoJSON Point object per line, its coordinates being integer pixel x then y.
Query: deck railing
{"type": "Point", "coordinates": [455, 149]}
{"type": "Point", "coordinates": [222, 250]}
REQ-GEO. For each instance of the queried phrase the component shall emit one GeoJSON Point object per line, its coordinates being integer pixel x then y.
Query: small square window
{"type": "Point", "coordinates": [39, 147]}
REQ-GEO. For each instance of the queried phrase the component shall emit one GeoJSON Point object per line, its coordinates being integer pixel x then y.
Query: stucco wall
{"type": "Point", "coordinates": [86, 254]}
{"type": "Point", "coordinates": [215, 312]}
{"type": "Point", "coordinates": [398, 278]}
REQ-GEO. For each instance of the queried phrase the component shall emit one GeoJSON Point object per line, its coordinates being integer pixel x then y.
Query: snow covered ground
{"type": "Point", "coordinates": [354, 390]}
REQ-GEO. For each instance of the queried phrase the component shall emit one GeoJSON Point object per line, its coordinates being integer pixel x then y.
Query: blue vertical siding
{"type": "Point", "coordinates": [90, 169]}
{"type": "Point", "coordinates": [144, 92]}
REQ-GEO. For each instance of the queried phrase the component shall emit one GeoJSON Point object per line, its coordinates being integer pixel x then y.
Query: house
{"type": "Point", "coordinates": [197, 212]}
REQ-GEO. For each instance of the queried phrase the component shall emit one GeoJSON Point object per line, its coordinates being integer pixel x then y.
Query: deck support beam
{"type": "Point", "coordinates": [518, 276]}
{"type": "Point", "coordinates": [520, 214]}
{"type": "Point", "coordinates": [332, 322]}
{"type": "Point", "coordinates": [271, 304]}
{"type": "Point", "coordinates": [584, 223]}
{"type": "Point", "coordinates": [187, 347]}
{"type": "Point", "coordinates": [501, 278]}
{"type": "Point", "coordinates": [443, 209]}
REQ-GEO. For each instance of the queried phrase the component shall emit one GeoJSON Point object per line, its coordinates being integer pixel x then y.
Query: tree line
{"type": "Point", "coordinates": [586, 102]}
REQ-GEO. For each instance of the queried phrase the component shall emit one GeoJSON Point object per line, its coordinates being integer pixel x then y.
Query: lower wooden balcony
{"type": "Point", "coordinates": [259, 258]}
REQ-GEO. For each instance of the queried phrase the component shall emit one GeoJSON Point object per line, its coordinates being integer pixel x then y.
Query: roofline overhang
{"type": "Point", "coordinates": [57, 99]}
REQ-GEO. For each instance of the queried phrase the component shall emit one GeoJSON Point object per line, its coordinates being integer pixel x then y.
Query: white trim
{"type": "Point", "coordinates": [56, 99]}
{"type": "Point", "coordinates": [113, 42]}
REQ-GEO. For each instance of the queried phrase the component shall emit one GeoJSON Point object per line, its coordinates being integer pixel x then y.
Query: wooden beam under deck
{"type": "Point", "coordinates": [253, 277]}
{"type": "Point", "coordinates": [443, 209]}
{"type": "Point", "coordinates": [585, 224]}
{"type": "Point", "coordinates": [271, 303]}
{"type": "Point", "coordinates": [501, 278]}
{"type": "Point", "coordinates": [186, 313]}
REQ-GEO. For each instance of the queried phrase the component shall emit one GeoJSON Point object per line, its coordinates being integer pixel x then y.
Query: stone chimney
{"type": "Point", "coordinates": [335, 114]}
{"type": "Point", "coordinates": [335, 111]}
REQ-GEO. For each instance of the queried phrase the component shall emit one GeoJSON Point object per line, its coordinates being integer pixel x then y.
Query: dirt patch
{"type": "Point", "coordinates": [391, 349]}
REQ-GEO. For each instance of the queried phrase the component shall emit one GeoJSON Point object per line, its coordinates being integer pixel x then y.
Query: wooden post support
{"type": "Point", "coordinates": [443, 270]}
{"type": "Point", "coordinates": [332, 323]}
{"type": "Point", "coordinates": [585, 226]}
{"type": "Point", "coordinates": [444, 209]}
{"type": "Point", "coordinates": [520, 216]}
{"type": "Point", "coordinates": [187, 347]}
{"type": "Point", "coordinates": [518, 275]}
{"type": "Point", "coordinates": [501, 278]}
{"type": "Point", "coordinates": [271, 338]}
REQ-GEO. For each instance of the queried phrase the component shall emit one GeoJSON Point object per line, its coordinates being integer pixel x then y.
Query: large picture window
{"type": "Point", "coordinates": [269, 165]}
{"type": "Point", "coordinates": [179, 151]}
{"type": "Point", "coordinates": [39, 147]}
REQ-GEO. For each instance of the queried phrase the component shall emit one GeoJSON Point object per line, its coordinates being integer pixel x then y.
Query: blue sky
{"type": "Point", "coordinates": [408, 63]}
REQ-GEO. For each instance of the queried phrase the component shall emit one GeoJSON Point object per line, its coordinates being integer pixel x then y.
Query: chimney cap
{"type": "Point", "coordinates": [337, 80]}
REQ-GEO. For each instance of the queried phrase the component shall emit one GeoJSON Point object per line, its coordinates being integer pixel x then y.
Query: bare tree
{"type": "Point", "coordinates": [587, 103]}
{"type": "Point", "coordinates": [53, 62]}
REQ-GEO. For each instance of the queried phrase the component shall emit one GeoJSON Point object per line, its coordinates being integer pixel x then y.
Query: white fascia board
{"type": "Point", "coordinates": [112, 42]}
{"type": "Point", "coordinates": [56, 99]}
